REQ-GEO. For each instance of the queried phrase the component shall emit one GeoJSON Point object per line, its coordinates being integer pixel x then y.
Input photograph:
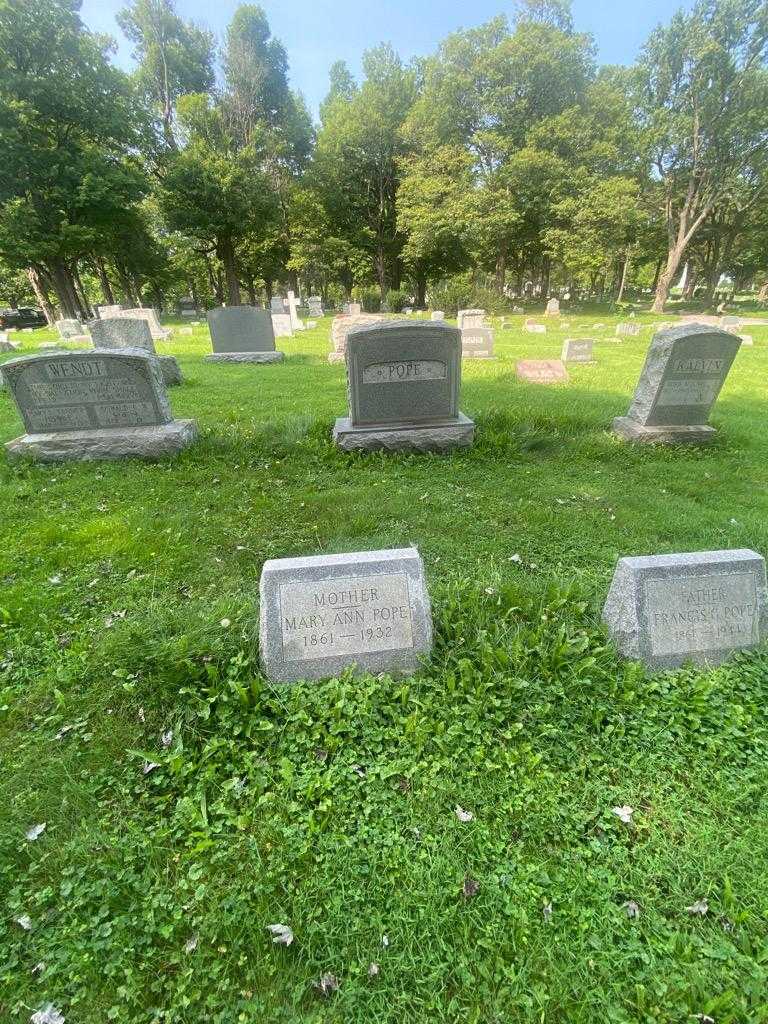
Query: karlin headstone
{"type": "Point", "coordinates": [477, 343]}
{"type": "Point", "coordinates": [553, 308]}
{"type": "Point", "coordinates": [577, 350]}
{"type": "Point", "coordinates": [340, 328]}
{"type": "Point", "coordinates": [93, 405]}
{"type": "Point", "coordinates": [403, 383]}
{"type": "Point", "coordinates": [242, 334]}
{"type": "Point", "coordinates": [684, 370]}
{"type": "Point", "coordinates": [113, 333]}
{"type": "Point", "coordinates": [324, 614]}
{"type": "Point", "coordinates": [541, 371]}
{"type": "Point", "coordinates": [470, 318]}
{"type": "Point", "coordinates": [665, 610]}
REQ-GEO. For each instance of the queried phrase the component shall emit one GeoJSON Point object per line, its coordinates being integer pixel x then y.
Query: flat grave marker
{"type": "Point", "coordinates": [664, 610]}
{"type": "Point", "coordinates": [541, 371]}
{"type": "Point", "coordinates": [323, 614]}
{"type": "Point", "coordinates": [578, 350]}
{"type": "Point", "coordinates": [477, 343]}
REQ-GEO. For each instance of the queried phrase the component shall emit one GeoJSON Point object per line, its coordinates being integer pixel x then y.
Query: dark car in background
{"type": "Point", "coordinates": [24, 316]}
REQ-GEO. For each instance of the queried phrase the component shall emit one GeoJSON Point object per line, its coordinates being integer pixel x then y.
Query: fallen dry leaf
{"type": "Point", "coordinates": [547, 912]}
{"type": "Point", "coordinates": [48, 1014]}
{"type": "Point", "coordinates": [149, 766]}
{"type": "Point", "coordinates": [631, 909]}
{"type": "Point", "coordinates": [190, 945]}
{"type": "Point", "coordinates": [470, 888]}
{"type": "Point", "coordinates": [373, 970]}
{"type": "Point", "coordinates": [166, 738]}
{"type": "Point", "coordinates": [25, 922]}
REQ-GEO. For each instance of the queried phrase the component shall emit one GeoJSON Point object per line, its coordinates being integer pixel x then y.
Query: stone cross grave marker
{"type": "Point", "coordinates": [684, 370]}
{"type": "Point", "coordinates": [293, 313]}
{"type": "Point", "coordinates": [242, 334]}
{"type": "Point", "coordinates": [541, 371]}
{"type": "Point", "coordinates": [111, 333]}
{"type": "Point", "coordinates": [93, 405]}
{"type": "Point", "coordinates": [477, 343]}
{"type": "Point", "coordinates": [323, 614]}
{"type": "Point", "coordinates": [403, 383]}
{"type": "Point", "coordinates": [577, 350]}
{"type": "Point", "coordinates": [664, 610]}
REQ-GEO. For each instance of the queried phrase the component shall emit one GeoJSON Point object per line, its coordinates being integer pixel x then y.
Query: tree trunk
{"type": "Point", "coordinates": [624, 274]}
{"type": "Point", "coordinates": [125, 284]}
{"type": "Point", "coordinates": [194, 293]}
{"type": "Point", "coordinates": [226, 253]}
{"type": "Point", "coordinates": [64, 288]}
{"type": "Point", "coordinates": [381, 272]}
{"type": "Point", "coordinates": [268, 289]}
{"type": "Point", "coordinates": [40, 294]}
{"type": "Point", "coordinates": [106, 285]}
{"type": "Point", "coordinates": [659, 264]}
{"type": "Point", "coordinates": [762, 295]}
{"type": "Point", "coordinates": [500, 277]}
{"type": "Point", "coordinates": [691, 280]}
{"type": "Point", "coordinates": [85, 305]}
{"type": "Point", "coordinates": [666, 277]}
{"type": "Point", "coordinates": [545, 271]}
{"type": "Point", "coordinates": [251, 290]}
{"type": "Point", "coordinates": [421, 290]}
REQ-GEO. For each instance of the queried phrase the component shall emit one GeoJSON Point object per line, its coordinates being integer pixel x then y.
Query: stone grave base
{"type": "Point", "coordinates": [638, 434]}
{"type": "Point", "coordinates": [430, 437]}
{"type": "Point", "coordinates": [245, 357]}
{"type": "Point", "coordinates": [109, 443]}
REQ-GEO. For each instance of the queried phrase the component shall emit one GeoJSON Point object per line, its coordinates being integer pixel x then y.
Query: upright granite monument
{"type": "Point", "coordinates": [470, 318]}
{"type": "Point", "coordinates": [114, 333]}
{"type": "Point", "coordinates": [93, 405]}
{"type": "Point", "coordinates": [315, 304]}
{"type": "Point", "coordinates": [158, 332]}
{"type": "Point", "coordinates": [685, 368]}
{"type": "Point", "coordinates": [321, 615]}
{"type": "Point", "coordinates": [242, 334]}
{"type": "Point", "coordinates": [665, 610]}
{"type": "Point", "coordinates": [577, 350]}
{"type": "Point", "coordinates": [553, 308]}
{"type": "Point", "coordinates": [341, 326]}
{"type": "Point", "coordinates": [281, 325]}
{"type": "Point", "coordinates": [70, 329]}
{"type": "Point", "coordinates": [477, 343]}
{"type": "Point", "coordinates": [403, 383]}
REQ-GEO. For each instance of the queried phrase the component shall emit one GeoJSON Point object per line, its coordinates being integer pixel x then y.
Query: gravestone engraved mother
{"type": "Point", "coordinates": [403, 382]}
{"type": "Point", "coordinates": [685, 368]}
{"type": "Point", "coordinates": [323, 614]}
{"type": "Point", "coordinates": [93, 405]}
{"type": "Point", "coordinates": [242, 334]}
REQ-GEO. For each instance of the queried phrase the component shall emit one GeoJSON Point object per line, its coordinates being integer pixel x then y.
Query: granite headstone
{"type": "Point", "coordinates": [477, 343]}
{"type": "Point", "coordinates": [242, 334]}
{"type": "Point", "coordinates": [541, 371]}
{"type": "Point", "coordinates": [577, 350]}
{"type": "Point", "coordinates": [112, 333]}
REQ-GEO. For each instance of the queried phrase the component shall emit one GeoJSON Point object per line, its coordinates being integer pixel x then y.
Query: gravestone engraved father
{"type": "Point", "coordinates": [242, 334]}
{"type": "Point", "coordinates": [664, 610]}
{"type": "Point", "coordinates": [685, 368]}
{"type": "Point", "coordinates": [112, 333]}
{"type": "Point", "coordinates": [93, 405]}
{"type": "Point", "coordinates": [323, 614]}
{"type": "Point", "coordinates": [403, 383]}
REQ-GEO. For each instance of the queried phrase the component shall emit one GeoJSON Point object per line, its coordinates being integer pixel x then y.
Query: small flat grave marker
{"type": "Point", "coordinates": [628, 330]}
{"type": "Point", "coordinates": [577, 350]}
{"type": "Point", "coordinates": [242, 334]}
{"type": "Point", "coordinates": [477, 343]}
{"type": "Point", "coordinates": [93, 405]}
{"type": "Point", "coordinates": [684, 370]}
{"type": "Point", "coordinates": [437, 314]}
{"type": "Point", "coordinates": [326, 613]}
{"type": "Point", "coordinates": [403, 383]}
{"type": "Point", "coordinates": [664, 610]}
{"type": "Point", "coordinates": [533, 328]}
{"type": "Point", "coordinates": [541, 371]}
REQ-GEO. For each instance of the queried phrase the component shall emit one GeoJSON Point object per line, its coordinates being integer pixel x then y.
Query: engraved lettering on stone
{"type": "Point", "coordinates": [81, 368]}
{"type": "Point", "coordinates": [688, 392]}
{"type": "Point", "coordinates": [73, 417]}
{"type": "Point", "coordinates": [702, 613]}
{"type": "Point", "coordinates": [404, 370]}
{"type": "Point", "coordinates": [349, 616]}
{"type": "Point", "coordinates": [110, 390]}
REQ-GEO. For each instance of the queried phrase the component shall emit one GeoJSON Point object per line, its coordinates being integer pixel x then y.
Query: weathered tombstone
{"type": "Point", "coordinates": [477, 343]}
{"type": "Point", "coordinates": [541, 371]}
{"type": "Point", "coordinates": [746, 339]}
{"type": "Point", "coordinates": [311, 325]}
{"type": "Point", "coordinates": [340, 328]}
{"type": "Point", "coordinates": [93, 405]}
{"type": "Point", "coordinates": [628, 330]}
{"type": "Point", "coordinates": [553, 308]}
{"type": "Point", "coordinates": [281, 325]}
{"type": "Point", "coordinates": [5, 344]}
{"type": "Point", "coordinates": [354, 309]}
{"type": "Point", "coordinates": [665, 610]}
{"type": "Point", "coordinates": [114, 333]}
{"type": "Point", "coordinates": [403, 384]}
{"type": "Point", "coordinates": [437, 314]}
{"type": "Point", "coordinates": [296, 324]}
{"type": "Point", "coordinates": [731, 323]}
{"type": "Point", "coordinates": [69, 329]}
{"type": "Point", "coordinates": [277, 304]}
{"type": "Point", "coordinates": [242, 334]}
{"type": "Point", "coordinates": [187, 307]}
{"type": "Point", "coordinates": [321, 615]}
{"type": "Point", "coordinates": [407, 310]}
{"type": "Point", "coordinates": [518, 309]}
{"type": "Point", "coordinates": [577, 350]}
{"type": "Point", "coordinates": [108, 311]}
{"type": "Point", "coordinates": [158, 332]}
{"type": "Point", "coordinates": [315, 304]}
{"type": "Point", "coordinates": [186, 330]}
{"type": "Point", "coordinates": [684, 370]}
{"type": "Point", "coordinates": [470, 318]}
{"type": "Point", "coordinates": [530, 327]}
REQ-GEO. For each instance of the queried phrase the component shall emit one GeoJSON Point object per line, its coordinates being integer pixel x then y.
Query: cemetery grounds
{"type": "Point", "coordinates": [188, 804]}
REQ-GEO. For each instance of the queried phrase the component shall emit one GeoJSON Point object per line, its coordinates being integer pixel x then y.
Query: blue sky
{"type": "Point", "coordinates": [318, 32]}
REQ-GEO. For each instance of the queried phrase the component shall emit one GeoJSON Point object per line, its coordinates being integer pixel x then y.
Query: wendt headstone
{"type": "Point", "coordinates": [665, 610]}
{"type": "Point", "coordinates": [541, 371]}
{"type": "Point", "coordinates": [93, 405]}
{"type": "Point", "coordinates": [242, 334]}
{"type": "Point", "coordinates": [577, 350]}
{"type": "Point", "coordinates": [684, 370]}
{"type": "Point", "coordinates": [323, 614]}
{"type": "Point", "coordinates": [112, 333]}
{"type": "Point", "coordinates": [403, 384]}
{"type": "Point", "coordinates": [477, 343]}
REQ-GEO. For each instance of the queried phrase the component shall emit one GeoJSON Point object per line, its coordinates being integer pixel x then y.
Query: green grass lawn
{"type": "Point", "coordinates": [129, 610]}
